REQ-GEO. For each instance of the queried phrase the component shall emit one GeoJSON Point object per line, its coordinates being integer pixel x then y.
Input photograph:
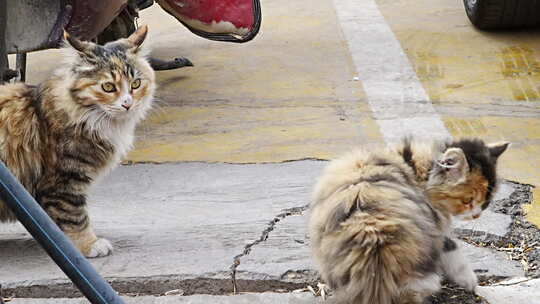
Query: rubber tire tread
{"type": "Point", "coordinates": [504, 14]}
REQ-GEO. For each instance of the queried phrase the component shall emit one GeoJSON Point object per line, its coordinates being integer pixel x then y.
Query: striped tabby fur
{"type": "Point", "coordinates": [60, 136]}
{"type": "Point", "coordinates": [380, 219]}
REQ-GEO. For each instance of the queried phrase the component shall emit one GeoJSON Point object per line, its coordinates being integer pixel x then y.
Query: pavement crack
{"type": "Point", "coordinates": [264, 236]}
{"type": "Point", "coordinates": [512, 283]}
{"type": "Point", "coordinates": [282, 161]}
{"type": "Point", "coordinates": [127, 163]}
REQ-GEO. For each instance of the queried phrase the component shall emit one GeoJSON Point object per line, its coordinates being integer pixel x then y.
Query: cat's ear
{"type": "Point", "coordinates": [496, 149]}
{"type": "Point", "coordinates": [137, 38]}
{"type": "Point", "coordinates": [454, 165]}
{"type": "Point", "coordinates": [78, 45]}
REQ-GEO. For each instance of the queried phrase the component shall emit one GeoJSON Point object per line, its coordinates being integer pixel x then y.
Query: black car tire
{"type": "Point", "coordinates": [503, 14]}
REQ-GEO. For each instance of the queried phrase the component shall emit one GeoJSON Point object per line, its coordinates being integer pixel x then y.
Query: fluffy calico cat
{"type": "Point", "coordinates": [380, 220]}
{"type": "Point", "coordinates": [61, 135]}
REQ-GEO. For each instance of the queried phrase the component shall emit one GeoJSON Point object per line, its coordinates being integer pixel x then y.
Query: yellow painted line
{"type": "Point", "coordinates": [289, 94]}
{"type": "Point", "coordinates": [533, 210]}
{"type": "Point", "coordinates": [214, 134]}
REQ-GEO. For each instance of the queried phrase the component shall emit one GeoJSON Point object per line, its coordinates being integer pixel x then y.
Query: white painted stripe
{"type": "Point", "coordinates": [399, 102]}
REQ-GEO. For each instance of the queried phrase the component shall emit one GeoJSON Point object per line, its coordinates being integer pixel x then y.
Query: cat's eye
{"type": "Point", "coordinates": [108, 87]}
{"type": "Point", "coordinates": [136, 84]}
{"type": "Point", "coordinates": [468, 201]}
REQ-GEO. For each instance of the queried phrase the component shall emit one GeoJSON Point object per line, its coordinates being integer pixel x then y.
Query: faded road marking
{"type": "Point", "coordinates": [463, 127]}
{"type": "Point", "coordinates": [522, 71]}
{"type": "Point", "coordinates": [399, 102]}
{"type": "Point", "coordinates": [428, 66]}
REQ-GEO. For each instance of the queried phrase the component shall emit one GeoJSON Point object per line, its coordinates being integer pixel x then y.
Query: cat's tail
{"type": "Point", "coordinates": [370, 244]}
{"type": "Point", "coordinates": [358, 266]}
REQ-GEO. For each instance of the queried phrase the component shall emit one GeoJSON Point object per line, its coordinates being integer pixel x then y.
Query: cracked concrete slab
{"type": "Point", "coordinates": [518, 290]}
{"type": "Point", "coordinates": [270, 261]}
{"type": "Point", "coordinates": [285, 255]}
{"type": "Point", "coordinates": [491, 226]}
{"type": "Point", "coordinates": [260, 298]}
{"type": "Point", "coordinates": [487, 262]}
{"type": "Point", "coordinates": [295, 263]}
{"type": "Point", "coordinates": [183, 220]}
{"type": "Point", "coordinates": [182, 225]}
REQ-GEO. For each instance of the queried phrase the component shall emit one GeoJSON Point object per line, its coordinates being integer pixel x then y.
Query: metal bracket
{"type": "Point", "coordinates": [142, 4]}
{"type": "Point", "coordinates": [1, 296]}
{"type": "Point", "coordinates": [4, 64]}
{"type": "Point", "coordinates": [176, 63]}
{"type": "Point", "coordinates": [6, 74]}
{"type": "Point", "coordinates": [21, 66]}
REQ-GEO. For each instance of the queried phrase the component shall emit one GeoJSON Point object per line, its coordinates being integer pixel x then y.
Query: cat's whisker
{"type": "Point", "coordinates": [98, 124]}
{"type": "Point", "coordinates": [159, 102]}
{"type": "Point", "coordinates": [159, 107]}
{"type": "Point", "coordinates": [87, 114]}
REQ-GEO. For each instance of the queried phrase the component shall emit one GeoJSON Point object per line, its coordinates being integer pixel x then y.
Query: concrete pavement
{"type": "Point", "coordinates": [183, 222]}
{"type": "Point", "coordinates": [183, 226]}
{"type": "Point", "coordinates": [514, 291]}
{"type": "Point", "coordinates": [223, 168]}
{"type": "Point", "coordinates": [261, 298]}
{"type": "Point", "coordinates": [517, 290]}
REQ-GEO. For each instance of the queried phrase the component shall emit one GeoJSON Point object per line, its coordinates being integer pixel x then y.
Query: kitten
{"type": "Point", "coordinates": [59, 137]}
{"type": "Point", "coordinates": [380, 220]}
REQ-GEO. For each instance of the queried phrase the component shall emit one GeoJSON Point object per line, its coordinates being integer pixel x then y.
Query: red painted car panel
{"type": "Point", "coordinates": [223, 20]}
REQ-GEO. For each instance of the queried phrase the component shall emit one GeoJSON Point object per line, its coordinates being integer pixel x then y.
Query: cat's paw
{"type": "Point", "coordinates": [100, 248]}
{"type": "Point", "coordinates": [466, 279]}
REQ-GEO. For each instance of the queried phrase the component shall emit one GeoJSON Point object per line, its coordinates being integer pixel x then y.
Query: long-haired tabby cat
{"type": "Point", "coordinates": [61, 135]}
{"type": "Point", "coordinates": [380, 219]}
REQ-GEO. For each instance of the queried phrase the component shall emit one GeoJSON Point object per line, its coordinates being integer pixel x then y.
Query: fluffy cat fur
{"type": "Point", "coordinates": [60, 136]}
{"type": "Point", "coordinates": [380, 220]}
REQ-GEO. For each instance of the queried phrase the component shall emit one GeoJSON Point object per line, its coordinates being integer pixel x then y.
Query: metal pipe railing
{"type": "Point", "coordinates": [53, 240]}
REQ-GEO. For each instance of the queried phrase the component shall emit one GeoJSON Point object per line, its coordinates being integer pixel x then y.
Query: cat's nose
{"type": "Point", "coordinates": [127, 102]}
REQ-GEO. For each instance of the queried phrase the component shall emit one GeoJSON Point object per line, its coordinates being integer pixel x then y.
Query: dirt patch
{"type": "Point", "coordinates": [157, 286]}
{"type": "Point", "coordinates": [452, 294]}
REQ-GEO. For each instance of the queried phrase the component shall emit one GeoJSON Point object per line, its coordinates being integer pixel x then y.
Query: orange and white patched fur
{"type": "Point", "coordinates": [380, 220]}
{"type": "Point", "coordinates": [60, 136]}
